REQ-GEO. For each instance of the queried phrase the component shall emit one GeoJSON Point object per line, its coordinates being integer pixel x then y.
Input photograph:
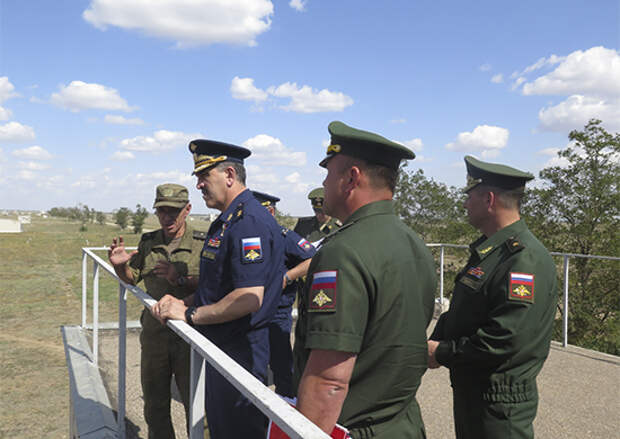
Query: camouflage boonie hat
{"type": "Point", "coordinates": [316, 197]}
{"type": "Point", "coordinates": [171, 195]}
{"type": "Point", "coordinates": [493, 174]}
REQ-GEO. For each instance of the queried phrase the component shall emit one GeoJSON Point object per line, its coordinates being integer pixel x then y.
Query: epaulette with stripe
{"type": "Point", "coordinates": [514, 245]}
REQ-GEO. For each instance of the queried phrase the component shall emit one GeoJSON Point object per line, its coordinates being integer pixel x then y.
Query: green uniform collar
{"type": "Point", "coordinates": [186, 240]}
{"type": "Point", "coordinates": [483, 246]}
{"type": "Point", "coordinates": [383, 207]}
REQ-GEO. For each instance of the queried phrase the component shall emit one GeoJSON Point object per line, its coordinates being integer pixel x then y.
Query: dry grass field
{"type": "Point", "coordinates": [40, 290]}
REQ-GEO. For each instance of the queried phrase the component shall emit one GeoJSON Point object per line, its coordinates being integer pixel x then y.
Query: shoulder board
{"type": "Point", "coordinates": [199, 235]}
{"type": "Point", "coordinates": [335, 232]}
{"type": "Point", "coordinates": [284, 231]}
{"type": "Point", "coordinates": [238, 213]}
{"type": "Point", "coordinates": [514, 245]}
{"type": "Point", "coordinates": [338, 223]}
{"type": "Point", "coordinates": [149, 235]}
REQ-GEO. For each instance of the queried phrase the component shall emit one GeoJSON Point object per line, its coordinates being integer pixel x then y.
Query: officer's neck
{"type": "Point", "coordinates": [231, 193]}
{"type": "Point", "coordinates": [499, 220]}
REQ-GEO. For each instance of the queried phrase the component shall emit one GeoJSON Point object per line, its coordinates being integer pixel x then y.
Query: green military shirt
{"type": "Point", "coordinates": [497, 332]}
{"type": "Point", "coordinates": [370, 290]}
{"type": "Point", "coordinates": [152, 249]}
{"type": "Point", "coordinates": [309, 228]}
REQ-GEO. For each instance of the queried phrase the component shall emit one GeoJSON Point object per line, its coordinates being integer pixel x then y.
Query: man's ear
{"type": "Point", "coordinates": [231, 175]}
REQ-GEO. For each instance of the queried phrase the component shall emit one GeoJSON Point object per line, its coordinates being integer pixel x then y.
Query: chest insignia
{"type": "Point", "coordinates": [208, 255]}
{"type": "Point", "coordinates": [304, 243]}
{"type": "Point", "coordinates": [476, 272]}
{"type": "Point", "coordinates": [521, 287]}
{"type": "Point", "coordinates": [323, 291]}
{"type": "Point", "coordinates": [486, 250]}
{"type": "Point", "coordinates": [214, 242]}
{"type": "Point", "coordinates": [251, 250]}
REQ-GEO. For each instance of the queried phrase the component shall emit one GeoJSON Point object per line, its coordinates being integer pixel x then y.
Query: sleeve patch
{"type": "Point", "coordinates": [521, 287]}
{"type": "Point", "coordinates": [304, 244]}
{"type": "Point", "coordinates": [323, 291]}
{"type": "Point", "coordinates": [251, 250]}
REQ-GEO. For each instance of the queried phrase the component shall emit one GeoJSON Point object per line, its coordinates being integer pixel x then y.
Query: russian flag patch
{"type": "Point", "coordinates": [251, 250]}
{"type": "Point", "coordinates": [304, 243]}
{"type": "Point", "coordinates": [521, 287]}
{"type": "Point", "coordinates": [323, 291]}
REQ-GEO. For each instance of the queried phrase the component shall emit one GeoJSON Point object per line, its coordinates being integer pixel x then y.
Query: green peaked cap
{"type": "Point", "coordinates": [493, 174]}
{"type": "Point", "coordinates": [369, 146]}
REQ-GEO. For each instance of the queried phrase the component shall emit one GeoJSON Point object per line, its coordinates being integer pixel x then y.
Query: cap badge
{"type": "Point", "coordinates": [334, 148]}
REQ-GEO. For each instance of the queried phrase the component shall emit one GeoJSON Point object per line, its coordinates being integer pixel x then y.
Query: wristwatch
{"type": "Point", "coordinates": [288, 279]}
{"type": "Point", "coordinates": [181, 281]}
{"type": "Point", "coordinates": [189, 314]}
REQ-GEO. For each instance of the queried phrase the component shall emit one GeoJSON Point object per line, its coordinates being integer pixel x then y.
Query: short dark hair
{"type": "Point", "coordinates": [508, 198]}
{"type": "Point", "coordinates": [238, 167]}
{"type": "Point", "coordinates": [379, 176]}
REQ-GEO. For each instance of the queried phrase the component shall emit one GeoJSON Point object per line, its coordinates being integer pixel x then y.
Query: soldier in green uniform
{"type": "Point", "coordinates": [314, 228]}
{"type": "Point", "coordinates": [167, 260]}
{"type": "Point", "coordinates": [496, 334]}
{"type": "Point", "coordinates": [360, 343]}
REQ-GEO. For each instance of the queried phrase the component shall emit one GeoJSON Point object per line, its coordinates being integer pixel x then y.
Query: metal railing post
{"type": "Point", "coordinates": [441, 248]}
{"type": "Point", "coordinates": [122, 358]}
{"type": "Point", "coordinates": [197, 396]}
{"type": "Point", "coordinates": [84, 286]}
{"type": "Point", "coordinates": [96, 313]}
{"type": "Point", "coordinates": [565, 316]}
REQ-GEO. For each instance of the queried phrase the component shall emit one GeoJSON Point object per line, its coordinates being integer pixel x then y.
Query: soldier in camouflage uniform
{"type": "Point", "coordinates": [167, 260]}
{"type": "Point", "coordinates": [496, 335]}
{"type": "Point", "coordinates": [314, 228]}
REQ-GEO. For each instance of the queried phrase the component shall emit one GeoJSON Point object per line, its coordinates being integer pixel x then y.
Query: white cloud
{"type": "Point", "coordinates": [271, 150]}
{"type": "Point", "coordinates": [122, 156]}
{"type": "Point", "coordinates": [121, 120]}
{"type": "Point", "coordinates": [577, 110]}
{"type": "Point", "coordinates": [5, 113]}
{"type": "Point", "coordinates": [413, 144]}
{"type": "Point", "coordinates": [298, 186]}
{"type": "Point", "coordinates": [295, 177]}
{"type": "Point", "coordinates": [305, 99]}
{"type": "Point", "coordinates": [595, 72]}
{"type": "Point", "coordinates": [25, 174]}
{"type": "Point", "coordinates": [16, 132]}
{"type": "Point", "coordinates": [244, 89]}
{"type": "Point", "coordinates": [485, 67]}
{"type": "Point", "coordinates": [33, 166]}
{"type": "Point", "coordinates": [298, 5]}
{"type": "Point", "coordinates": [160, 141]}
{"type": "Point", "coordinates": [497, 79]}
{"type": "Point", "coordinates": [399, 121]}
{"type": "Point", "coordinates": [520, 80]}
{"type": "Point", "coordinates": [33, 153]}
{"type": "Point", "coordinates": [189, 23]}
{"type": "Point", "coordinates": [488, 139]}
{"type": "Point", "coordinates": [6, 89]}
{"type": "Point", "coordinates": [79, 95]}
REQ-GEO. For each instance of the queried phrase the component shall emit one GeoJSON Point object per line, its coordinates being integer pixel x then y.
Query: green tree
{"type": "Point", "coordinates": [121, 217]}
{"type": "Point", "coordinates": [431, 208]}
{"type": "Point", "coordinates": [138, 218]}
{"type": "Point", "coordinates": [578, 211]}
{"type": "Point", "coordinates": [100, 218]}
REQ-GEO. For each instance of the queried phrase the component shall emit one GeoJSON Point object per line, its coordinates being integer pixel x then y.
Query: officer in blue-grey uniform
{"type": "Point", "coordinates": [239, 287]}
{"type": "Point", "coordinates": [298, 254]}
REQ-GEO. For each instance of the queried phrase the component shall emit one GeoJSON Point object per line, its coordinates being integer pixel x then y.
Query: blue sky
{"type": "Point", "coordinates": [99, 98]}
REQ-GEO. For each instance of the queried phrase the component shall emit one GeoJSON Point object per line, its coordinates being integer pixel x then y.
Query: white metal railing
{"type": "Point", "coordinates": [290, 420]}
{"type": "Point", "coordinates": [565, 257]}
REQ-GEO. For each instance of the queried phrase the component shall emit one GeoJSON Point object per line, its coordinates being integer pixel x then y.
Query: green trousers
{"type": "Point", "coordinates": [475, 418]}
{"type": "Point", "coordinates": [164, 355]}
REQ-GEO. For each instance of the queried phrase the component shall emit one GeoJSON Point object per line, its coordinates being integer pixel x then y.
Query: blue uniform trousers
{"type": "Point", "coordinates": [280, 352]}
{"type": "Point", "coordinates": [229, 413]}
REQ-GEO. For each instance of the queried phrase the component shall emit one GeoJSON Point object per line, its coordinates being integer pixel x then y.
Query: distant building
{"type": "Point", "coordinates": [10, 226]}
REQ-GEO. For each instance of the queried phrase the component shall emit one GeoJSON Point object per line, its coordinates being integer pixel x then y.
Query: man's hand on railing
{"type": "Point", "coordinates": [169, 308]}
